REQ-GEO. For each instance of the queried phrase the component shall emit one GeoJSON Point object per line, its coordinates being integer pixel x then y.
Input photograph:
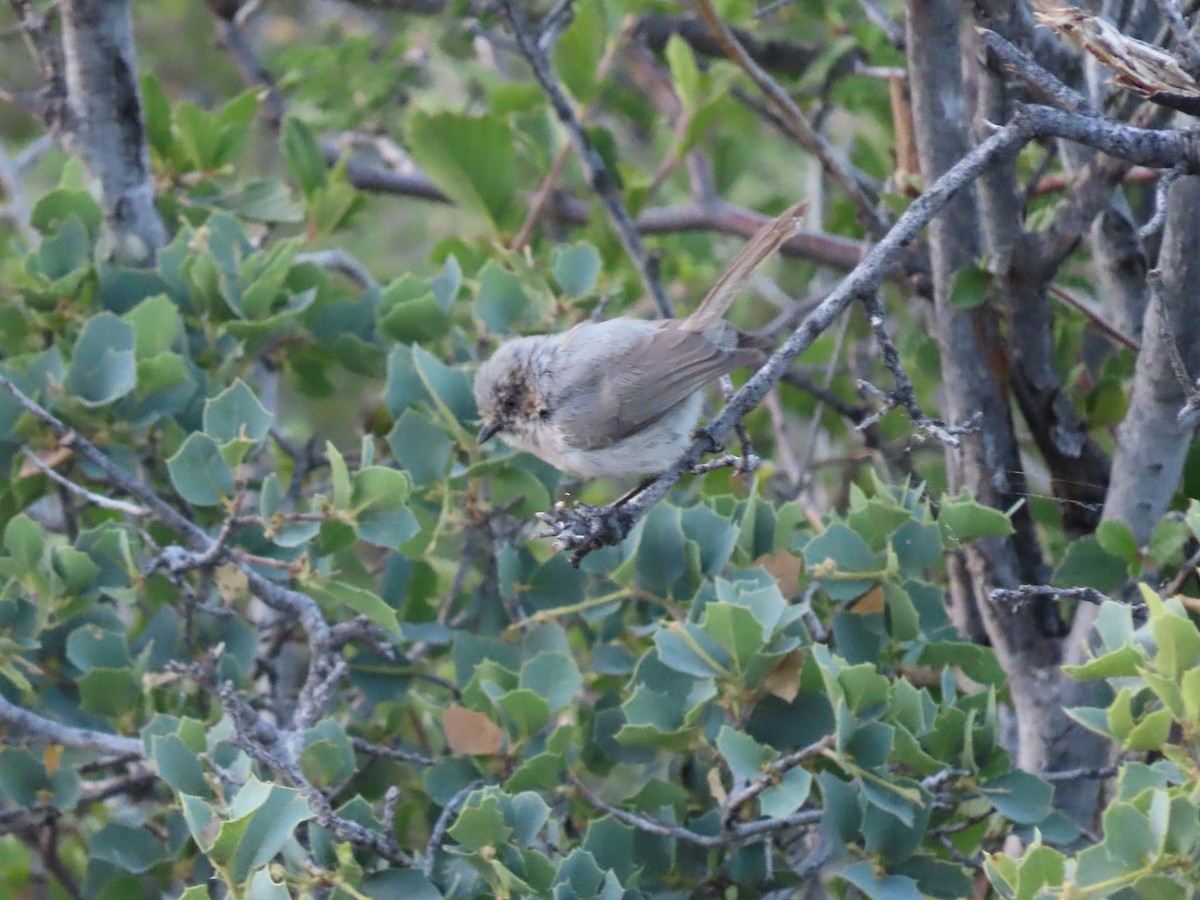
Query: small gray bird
{"type": "Point", "coordinates": [623, 396]}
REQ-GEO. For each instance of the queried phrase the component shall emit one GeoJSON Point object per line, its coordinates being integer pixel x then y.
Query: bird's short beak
{"type": "Point", "coordinates": [488, 431]}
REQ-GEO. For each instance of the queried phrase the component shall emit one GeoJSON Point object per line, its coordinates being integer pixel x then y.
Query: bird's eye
{"type": "Point", "coordinates": [543, 414]}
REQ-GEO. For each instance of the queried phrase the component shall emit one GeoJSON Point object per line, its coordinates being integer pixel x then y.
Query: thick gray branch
{"type": "Point", "coordinates": [25, 725]}
{"type": "Point", "coordinates": [105, 116]}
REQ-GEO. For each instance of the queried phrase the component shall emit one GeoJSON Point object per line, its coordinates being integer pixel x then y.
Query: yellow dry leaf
{"type": "Point", "coordinates": [52, 757]}
{"type": "Point", "coordinates": [715, 787]}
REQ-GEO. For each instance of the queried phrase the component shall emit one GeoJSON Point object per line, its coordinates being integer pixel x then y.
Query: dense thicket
{"type": "Point", "coordinates": [923, 624]}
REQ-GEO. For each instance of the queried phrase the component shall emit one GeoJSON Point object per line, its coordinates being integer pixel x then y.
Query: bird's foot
{"type": "Point", "coordinates": [582, 527]}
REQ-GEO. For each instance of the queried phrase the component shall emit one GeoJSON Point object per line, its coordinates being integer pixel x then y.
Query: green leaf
{"type": "Point", "coordinates": [579, 49]}
{"type": "Point", "coordinates": [1116, 538]}
{"type": "Point", "coordinates": [263, 887]}
{"type": "Point", "coordinates": [501, 302]}
{"type": "Point", "coordinates": [684, 73]}
{"type": "Point", "coordinates": [200, 473]}
{"type": "Point", "coordinates": [199, 135]}
{"type": "Point", "coordinates": [1086, 564]}
{"type": "Point", "coordinates": [64, 254]}
{"type": "Point", "coordinates": [236, 414]}
{"type": "Point", "coordinates": [331, 206]}
{"type": "Point", "coordinates": [575, 268]}
{"type": "Point", "coordinates": [130, 849]}
{"type": "Point", "coordinates": [1019, 796]}
{"type": "Point", "coordinates": [358, 599]}
{"type": "Point", "coordinates": [91, 647]}
{"type": "Point", "coordinates": [787, 795]}
{"type": "Point", "coordinates": [835, 556]}
{"type": "Point", "coordinates": [736, 629]}
{"type": "Point", "coordinates": [745, 756]}
{"type": "Point", "coordinates": [880, 887]}
{"type": "Point", "coordinates": [553, 676]}
{"type": "Point", "coordinates": [409, 312]}
{"type": "Point", "coordinates": [109, 691]}
{"type": "Point", "coordinates": [1122, 663]}
{"type": "Point", "coordinates": [339, 476]}
{"type": "Point", "coordinates": [25, 542]}
{"type": "Point", "coordinates": [1151, 732]}
{"type": "Point", "coordinates": [472, 159]}
{"type": "Point", "coordinates": [156, 325]}
{"type": "Point", "coordinates": [302, 156]}
{"type": "Point", "coordinates": [274, 813]}
{"type": "Point", "coordinates": [327, 758]}
{"type": "Point", "coordinates": [422, 448]}
{"type": "Point", "coordinates": [56, 207]}
{"type": "Point", "coordinates": [378, 502]}
{"type": "Point", "coordinates": [970, 287]}
{"type": "Point", "coordinates": [481, 825]}
{"type": "Point", "coordinates": [447, 283]}
{"type": "Point", "coordinates": [261, 200]}
{"type": "Point", "coordinates": [156, 113]}
{"type": "Point", "coordinates": [179, 766]}
{"type": "Point", "coordinates": [76, 569]}
{"type": "Point", "coordinates": [965, 520]}
{"type": "Point", "coordinates": [103, 366]}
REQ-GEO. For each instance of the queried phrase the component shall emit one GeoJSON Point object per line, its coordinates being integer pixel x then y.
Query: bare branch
{"type": "Point", "coordinates": [785, 57]}
{"type": "Point", "coordinates": [339, 260]}
{"type": "Point", "coordinates": [798, 125]}
{"type": "Point", "coordinates": [739, 798]}
{"type": "Point", "coordinates": [1026, 593]}
{"type": "Point", "coordinates": [22, 724]}
{"type": "Point", "coordinates": [100, 500]}
{"type": "Point", "coordinates": [442, 825]}
{"type": "Point", "coordinates": [583, 529]}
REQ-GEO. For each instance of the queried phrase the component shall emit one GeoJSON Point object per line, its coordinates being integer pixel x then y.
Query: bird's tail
{"type": "Point", "coordinates": [769, 238]}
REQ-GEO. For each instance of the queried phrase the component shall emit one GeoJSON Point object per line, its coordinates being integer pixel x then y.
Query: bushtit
{"type": "Point", "coordinates": [622, 396]}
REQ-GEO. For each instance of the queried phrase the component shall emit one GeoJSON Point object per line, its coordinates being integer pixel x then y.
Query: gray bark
{"type": "Point", "coordinates": [990, 467]}
{"type": "Point", "coordinates": [104, 122]}
{"type": "Point", "coordinates": [1151, 442]}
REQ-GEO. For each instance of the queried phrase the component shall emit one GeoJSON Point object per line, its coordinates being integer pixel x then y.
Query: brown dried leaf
{"type": "Point", "coordinates": [784, 680]}
{"type": "Point", "coordinates": [52, 458]}
{"type": "Point", "coordinates": [471, 733]}
{"type": "Point", "coordinates": [1138, 66]}
{"type": "Point", "coordinates": [869, 603]}
{"type": "Point", "coordinates": [784, 568]}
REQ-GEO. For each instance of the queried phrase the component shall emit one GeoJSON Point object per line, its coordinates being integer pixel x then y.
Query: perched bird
{"type": "Point", "coordinates": [622, 396]}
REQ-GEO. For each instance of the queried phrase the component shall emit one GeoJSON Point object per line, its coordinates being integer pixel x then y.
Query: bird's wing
{"type": "Point", "coordinates": [622, 394]}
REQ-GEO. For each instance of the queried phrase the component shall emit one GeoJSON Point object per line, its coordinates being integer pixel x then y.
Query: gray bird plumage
{"type": "Point", "coordinates": [622, 396]}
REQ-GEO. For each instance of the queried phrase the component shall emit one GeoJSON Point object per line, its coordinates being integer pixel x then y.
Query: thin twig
{"type": "Point", "coordinates": [1155, 224]}
{"type": "Point", "coordinates": [391, 753]}
{"type": "Point", "coordinates": [798, 125]}
{"type": "Point", "coordinates": [130, 509]}
{"type": "Point", "coordinates": [1188, 47]}
{"type": "Point", "coordinates": [338, 260]}
{"type": "Point", "coordinates": [602, 181]}
{"type": "Point", "coordinates": [880, 19]}
{"type": "Point", "coordinates": [770, 776]}
{"type": "Point", "coordinates": [442, 825]}
{"type": "Point", "coordinates": [581, 530]}
{"type": "Point", "coordinates": [1026, 593]}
